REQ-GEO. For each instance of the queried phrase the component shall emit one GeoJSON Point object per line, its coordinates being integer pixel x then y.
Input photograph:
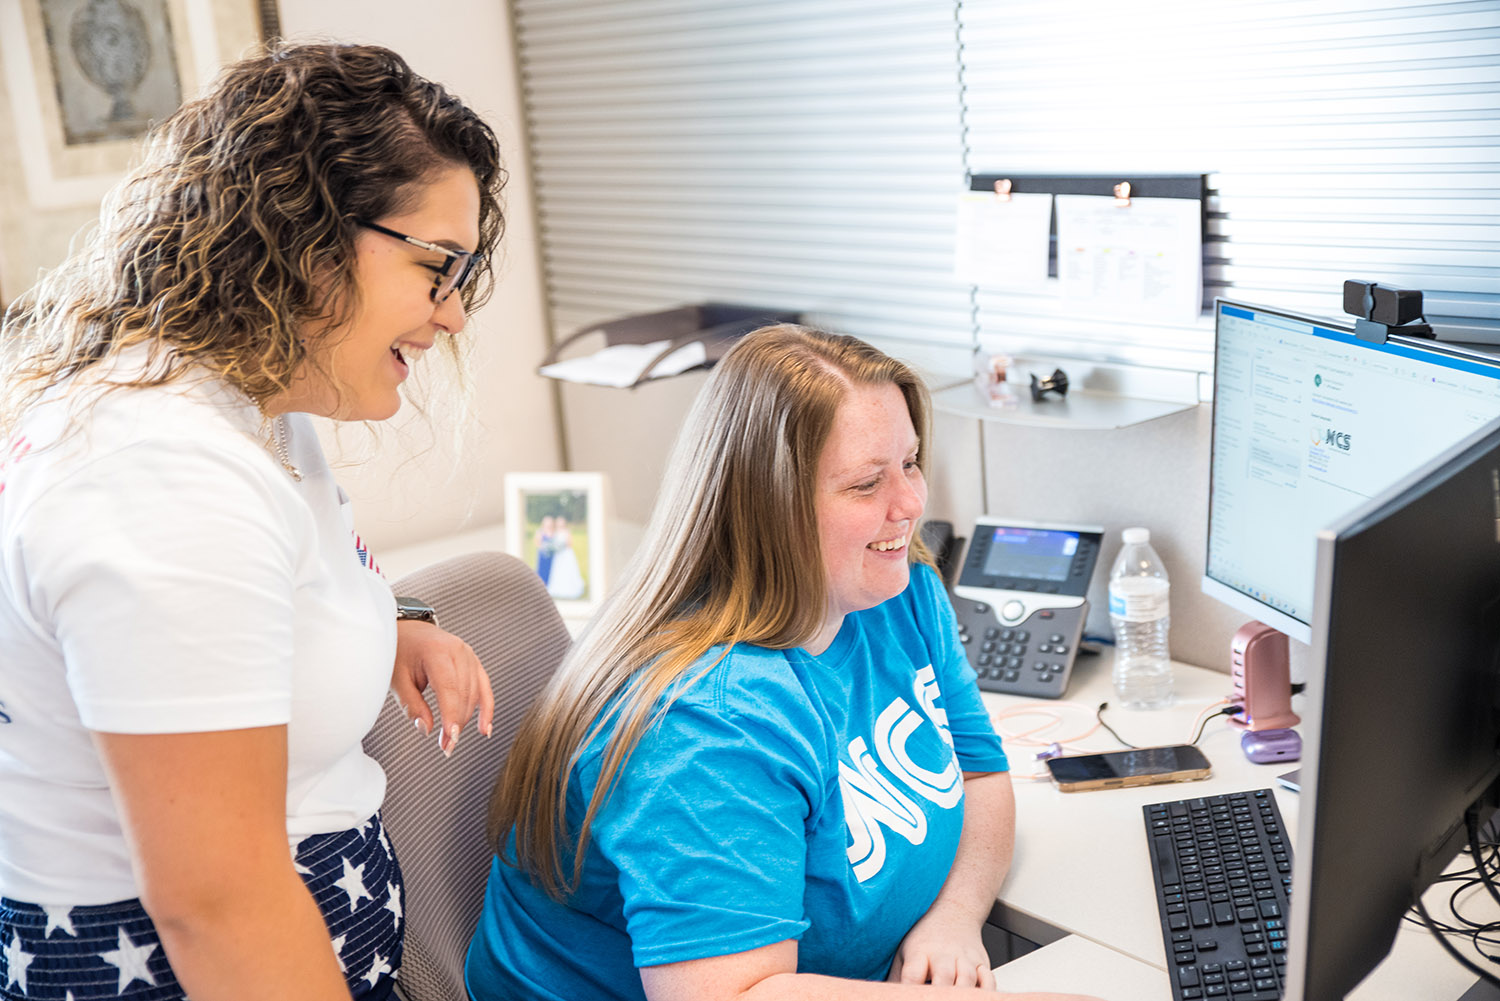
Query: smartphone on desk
{"type": "Point", "coordinates": [1142, 766]}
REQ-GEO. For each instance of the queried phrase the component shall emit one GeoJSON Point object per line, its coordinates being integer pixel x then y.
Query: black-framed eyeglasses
{"type": "Point", "coordinates": [456, 269]}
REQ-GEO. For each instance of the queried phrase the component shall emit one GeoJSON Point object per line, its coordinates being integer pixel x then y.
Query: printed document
{"type": "Point", "coordinates": [1003, 244]}
{"type": "Point", "coordinates": [622, 364]}
{"type": "Point", "coordinates": [1143, 261]}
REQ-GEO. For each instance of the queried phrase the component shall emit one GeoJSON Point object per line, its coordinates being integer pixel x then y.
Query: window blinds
{"type": "Point", "coordinates": [785, 153]}
{"type": "Point", "coordinates": [1342, 138]}
{"type": "Point", "coordinates": [806, 154]}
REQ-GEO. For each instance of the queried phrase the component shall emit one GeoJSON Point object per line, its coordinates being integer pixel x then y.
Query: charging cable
{"type": "Point", "coordinates": [1042, 731]}
{"type": "Point", "coordinates": [1220, 708]}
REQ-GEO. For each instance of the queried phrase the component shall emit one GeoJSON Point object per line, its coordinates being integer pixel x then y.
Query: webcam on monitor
{"type": "Point", "coordinates": [1383, 311]}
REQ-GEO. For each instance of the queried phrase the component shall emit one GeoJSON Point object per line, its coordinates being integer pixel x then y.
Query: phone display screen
{"type": "Point", "coordinates": [1031, 554]}
{"type": "Point", "coordinates": [1123, 764]}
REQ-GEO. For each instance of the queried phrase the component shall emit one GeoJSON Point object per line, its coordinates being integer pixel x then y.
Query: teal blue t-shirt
{"type": "Point", "coordinates": [782, 796]}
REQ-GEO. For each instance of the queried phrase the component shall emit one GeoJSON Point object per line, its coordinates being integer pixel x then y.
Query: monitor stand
{"type": "Point", "coordinates": [1482, 990]}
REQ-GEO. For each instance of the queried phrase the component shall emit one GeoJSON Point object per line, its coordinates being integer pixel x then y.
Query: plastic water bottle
{"type": "Point", "coordinates": [1140, 614]}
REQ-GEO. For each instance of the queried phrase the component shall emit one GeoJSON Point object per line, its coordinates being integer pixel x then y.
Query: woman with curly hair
{"type": "Point", "coordinates": [194, 645]}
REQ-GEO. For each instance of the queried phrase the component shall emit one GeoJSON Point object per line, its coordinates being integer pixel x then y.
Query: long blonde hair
{"type": "Point", "coordinates": [234, 240]}
{"type": "Point", "coordinates": [731, 555]}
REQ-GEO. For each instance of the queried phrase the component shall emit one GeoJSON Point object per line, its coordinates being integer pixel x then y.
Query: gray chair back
{"type": "Point", "coordinates": [435, 808]}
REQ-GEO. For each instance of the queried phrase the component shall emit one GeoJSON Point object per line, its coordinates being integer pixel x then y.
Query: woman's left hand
{"type": "Point", "coordinates": [427, 655]}
{"type": "Point", "coordinates": [943, 950]}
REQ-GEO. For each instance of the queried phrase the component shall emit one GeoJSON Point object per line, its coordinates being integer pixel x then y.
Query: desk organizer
{"type": "Point", "coordinates": [717, 325]}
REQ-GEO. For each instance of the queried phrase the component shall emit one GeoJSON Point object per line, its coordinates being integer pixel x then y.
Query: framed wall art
{"type": "Point", "coordinates": [87, 77]}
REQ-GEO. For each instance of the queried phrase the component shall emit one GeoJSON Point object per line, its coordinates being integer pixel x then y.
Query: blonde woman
{"type": "Point", "coordinates": [765, 770]}
{"type": "Point", "coordinates": [192, 641]}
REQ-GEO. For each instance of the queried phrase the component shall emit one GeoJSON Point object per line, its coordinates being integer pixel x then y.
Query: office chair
{"type": "Point", "coordinates": [434, 808]}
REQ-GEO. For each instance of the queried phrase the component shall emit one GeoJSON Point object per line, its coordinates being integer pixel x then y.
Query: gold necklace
{"type": "Point", "coordinates": [278, 439]}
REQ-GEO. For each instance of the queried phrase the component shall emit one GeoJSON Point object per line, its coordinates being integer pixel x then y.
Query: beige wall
{"type": "Point", "coordinates": [410, 481]}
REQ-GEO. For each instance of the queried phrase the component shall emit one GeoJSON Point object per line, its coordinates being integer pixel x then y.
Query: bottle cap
{"type": "Point", "coordinates": [1135, 536]}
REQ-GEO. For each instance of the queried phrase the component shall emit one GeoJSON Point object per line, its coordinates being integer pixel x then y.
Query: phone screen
{"type": "Point", "coordinates": [1031, 554]}
{"type": "Point", "coordinates": [1121, 764]}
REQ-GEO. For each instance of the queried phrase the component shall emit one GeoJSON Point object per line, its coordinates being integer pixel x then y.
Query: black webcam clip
{"type": "Point", "coordinates": [1383, 311]}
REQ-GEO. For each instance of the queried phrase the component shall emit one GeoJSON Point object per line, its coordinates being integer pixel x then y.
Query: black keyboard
{"type": "Point", "coordinates": [1223, 870]}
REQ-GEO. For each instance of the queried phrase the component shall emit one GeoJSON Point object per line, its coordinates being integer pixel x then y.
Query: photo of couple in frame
{"type": "Point", "coordinates": [554, 522]}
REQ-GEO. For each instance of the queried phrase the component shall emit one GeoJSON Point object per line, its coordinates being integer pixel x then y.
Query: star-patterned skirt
{"type": "Point", "coordinates": [60, 953]}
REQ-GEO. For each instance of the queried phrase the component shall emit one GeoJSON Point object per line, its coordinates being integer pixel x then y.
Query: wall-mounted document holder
{"type": "Point", "coordinates": [657, 345]}
{"type": "Point", "coordinates": [1121, 187]}
{"type": "Point", "coordinates": [1141, 186]}
{"type": "Point", "coordinates": [1094, 246]}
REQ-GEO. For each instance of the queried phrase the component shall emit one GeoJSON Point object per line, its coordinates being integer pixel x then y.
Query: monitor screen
{"type": "Point", "coordinates": [1309, 422]}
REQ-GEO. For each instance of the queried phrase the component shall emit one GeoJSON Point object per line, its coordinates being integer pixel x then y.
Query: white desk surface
{"type": "Point", "coordinates": [1076, 965]}
{"type": "Point", "coordinates": [1082, 867]}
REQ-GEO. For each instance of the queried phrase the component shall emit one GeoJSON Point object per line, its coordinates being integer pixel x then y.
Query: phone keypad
{"type": "Point", "coordinates": [1034, 657]}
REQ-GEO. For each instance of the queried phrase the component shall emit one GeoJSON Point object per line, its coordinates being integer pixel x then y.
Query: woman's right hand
{"type": "Point", "coordinates": [428, 656]}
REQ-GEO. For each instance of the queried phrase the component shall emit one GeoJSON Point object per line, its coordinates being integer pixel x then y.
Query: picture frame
{"type": "Point", "coordinates": [80, 111]}
{"type": "Point", "coordinates": [554, 522]}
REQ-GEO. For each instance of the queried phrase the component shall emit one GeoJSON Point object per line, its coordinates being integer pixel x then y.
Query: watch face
{"type": "Point", "coordinates": [412, 608]}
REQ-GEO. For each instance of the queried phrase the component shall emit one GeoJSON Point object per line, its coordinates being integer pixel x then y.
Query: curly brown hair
{"type": "Point", "coordinates": [235, 236]}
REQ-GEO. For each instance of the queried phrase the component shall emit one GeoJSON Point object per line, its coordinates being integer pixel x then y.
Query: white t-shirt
{"type": "Point", "coordinates": [161, 572]}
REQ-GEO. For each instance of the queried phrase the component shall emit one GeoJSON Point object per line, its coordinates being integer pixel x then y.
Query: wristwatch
{"type": "Point", "coordinates": [415, 608]}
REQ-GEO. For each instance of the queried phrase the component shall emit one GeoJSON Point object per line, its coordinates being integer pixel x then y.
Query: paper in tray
{"type": "Point", "coordinates": [622, 365]}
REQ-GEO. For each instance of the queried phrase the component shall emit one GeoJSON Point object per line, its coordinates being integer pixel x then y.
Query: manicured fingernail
{"type": "Point", "coordinates": [417, 722]}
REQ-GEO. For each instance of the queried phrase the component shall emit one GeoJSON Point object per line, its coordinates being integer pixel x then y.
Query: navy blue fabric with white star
{"type": "Point", "coordinates": [112, 951]}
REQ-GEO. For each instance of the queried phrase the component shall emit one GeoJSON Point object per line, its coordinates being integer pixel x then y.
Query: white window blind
{"type": "Point", "coordinates": [805, 154]}
{"type": "Point", "coordinates": [1342, 139]}
{"type": "Point", "coordinates": [798, 154]}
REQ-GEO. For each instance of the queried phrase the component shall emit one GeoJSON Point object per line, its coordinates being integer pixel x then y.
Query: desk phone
{"type": "Point", "coordinates": [1020, 603]}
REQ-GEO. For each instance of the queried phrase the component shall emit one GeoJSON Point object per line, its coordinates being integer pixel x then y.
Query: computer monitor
{"type": "Point", "coordinates": [1404, 719]}
{"type": "Point", "coordinates": [1309, 421]}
